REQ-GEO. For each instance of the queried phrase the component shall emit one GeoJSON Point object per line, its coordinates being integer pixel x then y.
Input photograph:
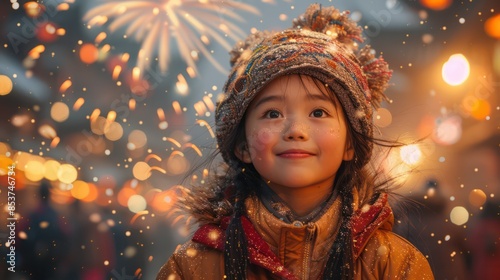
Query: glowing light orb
{"type": "Point", "coordinates": [137, 139]}
{"type": "Point", "coordinates": [47, 32]}
{"type": "Point", "coordinates": [492, 26]}
{"type": "Point", "coordinates": [5, 85]}
{"type": "Point", "coordinates": [33, 9]}
{"type": "Point", "coordinates": [437, 5]}
{"type": "Point", "coordinates": [448, 130]}
{"type": "Point", "coordinates": [92, 193]}
{"type": "Point", "coordinates": [141, 171]}
{"type": "Point", "coordinates": [136, 203]}
{"type": "Point", "coordinates": [59, 112]}
{"type": "Point", "coordinates": [51, 167]}
{"type": "Point", "coordinates": [67, 173]}
{"type": "Point", "coordinates": [34, 170]}
{"type": "Point", "coordinates": [382, 117]}
{"type": "Point", "coordinates": [410, 154]}
{"type": "Point", "coordinates": [80, 189]}
{"type": "Point", "coordinates": [481, 110]}
{"type": "Point", "coordinates": [114, 131]}
{"type": "Point", "coordinates": [47, 131]}
{"type": "Point", "coordinates": [89, 53]}
{"type": "Point", "coordinates": [477, 197]}
{"type": "Point", "coordinates": [5, 162]}
{"type": "Point", "coordinates": [456, 70]}
{"type": "Point", "coordinates": [163, 201]}
{"type": "Point", "coordinates": [459, 215]}
{"type": "Point", "coordinates": [177, 165]}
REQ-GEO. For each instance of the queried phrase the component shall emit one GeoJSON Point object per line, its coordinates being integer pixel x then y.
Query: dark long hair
{"type": "Point", "coordinates": [356, 173]}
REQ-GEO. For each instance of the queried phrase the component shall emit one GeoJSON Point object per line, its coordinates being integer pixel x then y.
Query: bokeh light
{"type": "Point", "coordinates": [92, 193]}
{"type": "Point", "coordinates": [456, 70]}
{"type": "Point", "coordinates": [459, 215]}
{"type": "Point", "coordinates": [47, 131]}
{"type": "Point", "coordinates": [492, 26]}
{"type": "Point", "coordinates": [51, 168]}
{"type": "Point", "coordinates": [21, 159]}
{"type": "Point", "coordinates": [88, 53]}
{"type": "Point", "coordinates": [410, 154]}
{"type": "Point", "coordinates": [481, 109]}
{"type": "Point", "coordinates": [47, 32]}
{"type": "Point", "coordinates": [114, 131]}
{"type": "Point", "coordinates": [33, 9]}
{"type": "Point", "coordinates": [5, 162]}
{"type": "Point", "coordinates": [163, 201]}
{"type": "Point", "coordinates": [59, 111]}
{"type": "Point", "coordinates": [5, 85]}
{"type": "Point", "coordinates": [35, 169]}
{"type": "Point", "coordinates": [67, 173]}
{"type": "Point", "coordinates": [137, 139]}
{"type": "Point", "coordinates": [436, 4]}
{"type": "Point", "coordinates": [141, 171]}
{"type": "Point", "coordinates": [177, 164]}
{"type": "Point", "coordinates": [382, 117]}
{"type": "Point", "coordinates": [136, 203]}
{"type": "Point", "coordinates": [448, 130]}
{"type": "Point", "coordinates": [80, 189]}
{"type": "Point", "coordinates": [477, 197]}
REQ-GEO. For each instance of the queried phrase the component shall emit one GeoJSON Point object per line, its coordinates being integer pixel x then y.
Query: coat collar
{"type": "Point", "coordinates": [260, 253]}
{"type": "Point", "coordinates": [365, 221]}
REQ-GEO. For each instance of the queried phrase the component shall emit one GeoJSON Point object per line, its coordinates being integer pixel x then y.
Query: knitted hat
{"type": "Point", "coordinates": [323, 44]}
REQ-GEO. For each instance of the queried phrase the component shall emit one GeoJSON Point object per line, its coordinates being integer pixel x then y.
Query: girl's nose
{"type": "Point", "coordinates": [296, 131]}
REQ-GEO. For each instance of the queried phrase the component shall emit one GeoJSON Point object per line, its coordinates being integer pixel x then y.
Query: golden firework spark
{"type": "Point", "coordinates": [205, 124]}
{"type": "Point", "coordinates": [173, 141]}
{"type": "Point", "coordinates": [176, 153]}
{"type": "Point", "coordinates": [194, 147]}
{"type": "Point", "coordinates": [150, 156]}
{"type": "Point", "coordinates": [64, 86]}
{"type": "Point", "coordinates": [78, 103]}
{"type": "Point", "coordinates": [192, 23]}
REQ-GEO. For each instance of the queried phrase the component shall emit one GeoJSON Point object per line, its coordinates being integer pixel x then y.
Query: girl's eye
{"type": "Point", "coordinates": [272, 114]}
{"type": "Point", "coordinates": [318, 113]}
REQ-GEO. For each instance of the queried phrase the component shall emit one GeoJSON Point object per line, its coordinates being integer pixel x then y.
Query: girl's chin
{"type": "Point", "coordinates": [293, 185]}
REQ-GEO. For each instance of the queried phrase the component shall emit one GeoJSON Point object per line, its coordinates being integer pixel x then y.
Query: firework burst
{"type": "Point", "coordinates": [193, 24]}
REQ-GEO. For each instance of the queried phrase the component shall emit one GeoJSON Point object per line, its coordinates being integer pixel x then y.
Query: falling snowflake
{"type": "Point", "coordinates": [193, 23]}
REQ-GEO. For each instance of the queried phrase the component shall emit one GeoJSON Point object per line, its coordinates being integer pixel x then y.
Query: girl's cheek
{"type": "Point", "coordinates": [331, 131]}
{"type": "Point", "coordinates": [260, 138]}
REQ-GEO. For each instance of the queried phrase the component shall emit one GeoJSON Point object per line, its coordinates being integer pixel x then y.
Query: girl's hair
{"type": "Point", "coordinates": [355, 173]}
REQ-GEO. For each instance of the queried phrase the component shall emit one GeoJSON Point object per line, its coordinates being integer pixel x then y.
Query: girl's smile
{"type": "Point", "coordinates": [295, 154]}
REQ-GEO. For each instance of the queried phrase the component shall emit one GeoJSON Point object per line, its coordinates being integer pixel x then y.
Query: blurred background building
{"type": "Point", "coordinates": [107, 106]}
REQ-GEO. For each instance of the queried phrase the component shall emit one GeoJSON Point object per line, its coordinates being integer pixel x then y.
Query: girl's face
{"type": "Point", "coordinates": [296, 135]}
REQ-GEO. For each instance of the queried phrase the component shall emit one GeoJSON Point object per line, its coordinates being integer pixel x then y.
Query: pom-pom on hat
{"type": "Point", "coordinates": [323, 44]}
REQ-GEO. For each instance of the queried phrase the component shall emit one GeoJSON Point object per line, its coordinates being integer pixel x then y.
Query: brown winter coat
{"type": "Point", "coordinates": [278, 250]}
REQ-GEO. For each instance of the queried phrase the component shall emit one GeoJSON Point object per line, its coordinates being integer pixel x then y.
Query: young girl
{"type": "Point", "coordinates": [297, 199]}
